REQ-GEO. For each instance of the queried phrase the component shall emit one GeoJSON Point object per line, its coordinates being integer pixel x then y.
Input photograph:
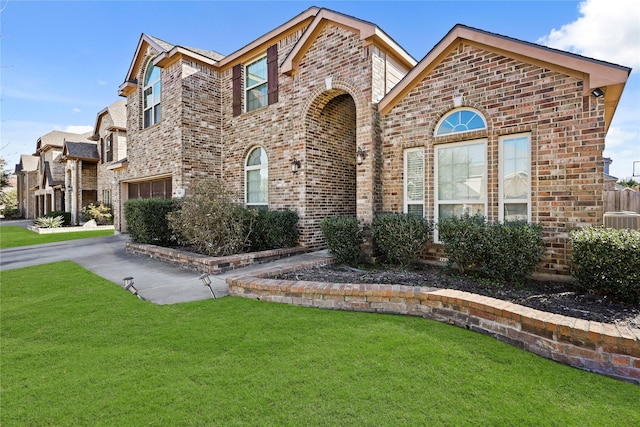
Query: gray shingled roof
{"type": "Point", "coordinates": [28, 163]}
{"type": "Point", "coordinates": [211, 54]}
{"type": "Point", "coordinates": [81, 150]}
{"type": "Point", "coordinates": [118, 113]}
{"type": "Point", "coordinates": [56, 138]}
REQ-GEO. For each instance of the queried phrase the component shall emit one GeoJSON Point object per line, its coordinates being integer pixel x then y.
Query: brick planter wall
{"type": "Point", "coordinates": [208, 264]}
{"type": "Point", "coordinates": [603, 348]}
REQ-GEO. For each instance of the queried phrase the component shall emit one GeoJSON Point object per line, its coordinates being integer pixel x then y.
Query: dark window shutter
{"type": "Point", "coordinates": [272, 74]}
{"type": "Point", "coordinates": [237, 90]}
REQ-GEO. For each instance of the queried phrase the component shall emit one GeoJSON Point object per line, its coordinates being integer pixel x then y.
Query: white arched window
{"type": "Point", "coordinates": [460, 120]}
{"type": "Point", "coordinates": [151, 90]}
{"type": "Point", "coordinates": [257, 178]}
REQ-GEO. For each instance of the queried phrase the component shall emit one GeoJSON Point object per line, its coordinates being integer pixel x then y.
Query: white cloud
{"type": "Point", "coordinates": [76, 110]}
{"type": "Point", "coordinates": [102, 82]}
{"type": "Point", "coordinates": [606, 30]}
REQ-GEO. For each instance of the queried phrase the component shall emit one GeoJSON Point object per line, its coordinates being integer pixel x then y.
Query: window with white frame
{"type": "Point", "coordinates": [151, 96]}
{"type": "Point", "coordinates": [414, 181]}
{"type": "Point", "coordinates": [515, 177]}
{"type": "Point", "coordinates": [257, 178]}
{"type": "Point", "coordinates": [256, 84]}
{"type": "Point", "coordinates": [460, 120]}
{"type": "Point", "coordinates": [106, 197]}
{"type": "Point", "coordinates": [108, 148]}
{"type": "Point", "coordinates": [460, 179]}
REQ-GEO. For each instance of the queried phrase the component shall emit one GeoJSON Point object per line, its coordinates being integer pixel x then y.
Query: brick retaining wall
{"type": "Point", "coordinates": [603, 348]}
{"type": "Point", "coordinates": [208, 264]}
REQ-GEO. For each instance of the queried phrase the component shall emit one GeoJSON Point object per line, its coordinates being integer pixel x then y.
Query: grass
{"type": "Point", "coordinates": [12, 236]}
{"type": "Point", "coordinates": [78, 350]}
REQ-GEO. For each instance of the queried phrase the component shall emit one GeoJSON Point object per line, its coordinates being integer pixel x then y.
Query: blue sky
{"type": "Point", "coordinates": [62, 62]}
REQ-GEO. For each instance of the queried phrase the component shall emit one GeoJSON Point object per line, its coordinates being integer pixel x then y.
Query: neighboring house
{"type": "Point", "coordinates": [50, 190]}
{"type": "Point", "coordinates": [326, 115]}
{"type": "Point", "coordinates": [80, 176]}
{"type": "Point", "coordinates": [110, 132]}
{"type": "Point", "coordinates": [27, 180]}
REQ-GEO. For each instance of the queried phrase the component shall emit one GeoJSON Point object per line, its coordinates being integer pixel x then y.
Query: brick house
{"type": "Point", "coordinates": [110, 134]}
{"type": "Point", "coordinates": [327, 115]}
{"type": "Point", "coordinates": [80, 176]}
{"type": "Point", "coordinates": [26, 180]}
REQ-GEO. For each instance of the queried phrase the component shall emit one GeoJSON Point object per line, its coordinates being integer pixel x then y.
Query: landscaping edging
{"type": "Point", "coordinates": [598, 347]}
{"type": "Point", "coordinates": [208, 264]}
{"type": "Point", "coordinates": [53, 230]}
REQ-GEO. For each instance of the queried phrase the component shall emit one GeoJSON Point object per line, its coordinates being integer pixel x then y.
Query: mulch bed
{"type": "Point", "coordinates": [553, 297]}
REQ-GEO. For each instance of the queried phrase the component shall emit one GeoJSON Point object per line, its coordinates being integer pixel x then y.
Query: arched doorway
{"type": "Point", "coordinates": [330, 146]}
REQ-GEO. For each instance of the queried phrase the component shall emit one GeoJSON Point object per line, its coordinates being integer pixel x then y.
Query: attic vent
{"type": "Point", "coordinates": [622, 220]}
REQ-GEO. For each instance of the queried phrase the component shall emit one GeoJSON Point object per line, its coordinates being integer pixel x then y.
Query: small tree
{"type": "Point", "coordinates": [211, 221]}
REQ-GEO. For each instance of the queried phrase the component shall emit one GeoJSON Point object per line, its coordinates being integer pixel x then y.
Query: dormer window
{"type": "Point", "coordinates": [151, 96]}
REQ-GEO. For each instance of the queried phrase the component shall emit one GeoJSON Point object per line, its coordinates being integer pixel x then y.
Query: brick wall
{"type": "Point", "coordinates": [567, 138]}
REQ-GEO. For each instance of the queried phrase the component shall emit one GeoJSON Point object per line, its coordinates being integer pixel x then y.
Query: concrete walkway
{"type": "Point", "coordinates": [155, 280]}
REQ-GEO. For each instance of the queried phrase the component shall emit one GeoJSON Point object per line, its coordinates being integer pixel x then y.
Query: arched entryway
{"type": "Point", "coordinates": [330, 147]}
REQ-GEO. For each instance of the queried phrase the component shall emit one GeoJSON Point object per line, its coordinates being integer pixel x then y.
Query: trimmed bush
{"type": "Point", "coordinates": [513, 250]}
{"type": "Point", "coordinates": [463, 239]}
{"type": "Point", "coordinates": [211, 222]}
{"type": "Point", "coordinates": [344, 237]}
{"type": "Point", "coordinates": [400, 237]}
{"type": "Point", "coordinates": [507, 252]}
{"type": "Point", "coordinates": [147, 220]}
{"type": "Point", "coordinates": [274, 230]}
{"type": "Point", "coordinates": [66, 217]}
{"type": "Point", "coordinates": [607, 262]}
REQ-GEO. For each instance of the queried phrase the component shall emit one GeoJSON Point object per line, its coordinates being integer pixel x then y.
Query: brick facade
{"type": "Point", "coordinates": [340, 88]}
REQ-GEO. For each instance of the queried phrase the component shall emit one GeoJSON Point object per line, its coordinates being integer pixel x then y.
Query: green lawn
{"type": "Point", "coordinates": [78, 350]}
{"type": "Point", "coordinates": [12, 236]}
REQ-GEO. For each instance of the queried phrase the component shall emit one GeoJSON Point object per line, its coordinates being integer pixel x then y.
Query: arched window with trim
{"type": "Point", "coordinates": [460, 120]}
{"type": "Point", "coordinates": [257, 179]}
{"type": "Point", "coordinates": [151, 90]}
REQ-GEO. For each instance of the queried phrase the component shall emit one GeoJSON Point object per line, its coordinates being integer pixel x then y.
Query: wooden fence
{"type": "Point", "coordinates": [616, 201]}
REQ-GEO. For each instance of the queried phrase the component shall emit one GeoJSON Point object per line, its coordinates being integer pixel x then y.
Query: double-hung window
{"type": "Point", "coordinates": [414, 181]}
{"type": "Point", "coordinates": [257, 178]}
{"type": "Point", "coordinates": [151, 96]}
{"type": "Point", "coordinates": [515, 177]}
{"type": "Point", "coordinates": [461, 179]}
{"type": "Point", "coordinates": [108, 148]}
{"type": "Point", "coordinates": [256, 84]}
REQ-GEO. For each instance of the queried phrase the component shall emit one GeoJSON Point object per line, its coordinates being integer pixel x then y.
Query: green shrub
{"type": "Point", "coordinates": [400, 237]}
{"type": "Point", "coordinates": [463, 239]}
{"type": "Point", "coordinates": [607, 262]}
{"type": "Point", "coordinates": [274, 230]}
{"type": "Point", "coordinates": [101, 213]}
{"type": "Point", "coordinates": [211, 222]}
{"type": "Point", "coordinates": [513, 250]}
{"type": "Point", "coordinates": [344, 237]}
{"type": "Point", "coordinates": [147, 220]}
{"type": "Point", "coordinates": [49, 221]}
{"type": "Point", "coordinates": [507, 252]}
{"type": "Point", "coordinates": [9, 204]}
{"type": "Point", "coordinates": [66, 217]}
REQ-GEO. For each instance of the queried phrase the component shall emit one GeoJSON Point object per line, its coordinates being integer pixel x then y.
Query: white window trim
{"type": "Point", "coordinates": [248, 88]}
{"type": "Point", "coordinates": [455, 110]}
{"type": "Point", "coordinates": [252, 168]}
{"type": "Point", "coordinates": [150, 84]}
{"type": "Point", "coordinates": [501, 140]}
{"type": "Point", "coordinates": [405, 183]}
{"type": "Point", "coordinates": [436, 196]}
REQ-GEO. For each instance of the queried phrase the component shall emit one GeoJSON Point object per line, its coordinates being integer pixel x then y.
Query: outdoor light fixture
{"type": "Point", "coordinates": [360, 155]}
{"type": "Point", "coordinates": [295, 165]}
{"type": "Point", "coordinates": [128, 286]}
{"type": "Point", "coordinates": [207, 282]}
{"type": "Point", "coordinates": [597, 92]}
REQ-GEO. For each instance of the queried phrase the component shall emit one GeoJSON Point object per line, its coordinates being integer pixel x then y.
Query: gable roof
{"type": "Point", "coordinates": [367, 31]}
{"type": "Point", "coordinates": [47, 176]}
{"type": "Point", "coordinates": [56, 139]}
{"type": "Point", "coordinates": [118, 113]}
{"type": "Point", "coordinates": [312, 21]}
{"type": "Point", "coordinates": [28, 163]}
{"type": "Point", "coordinates": [80, 151]}
{"type": "Point", "coordinates": [609, 77]}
